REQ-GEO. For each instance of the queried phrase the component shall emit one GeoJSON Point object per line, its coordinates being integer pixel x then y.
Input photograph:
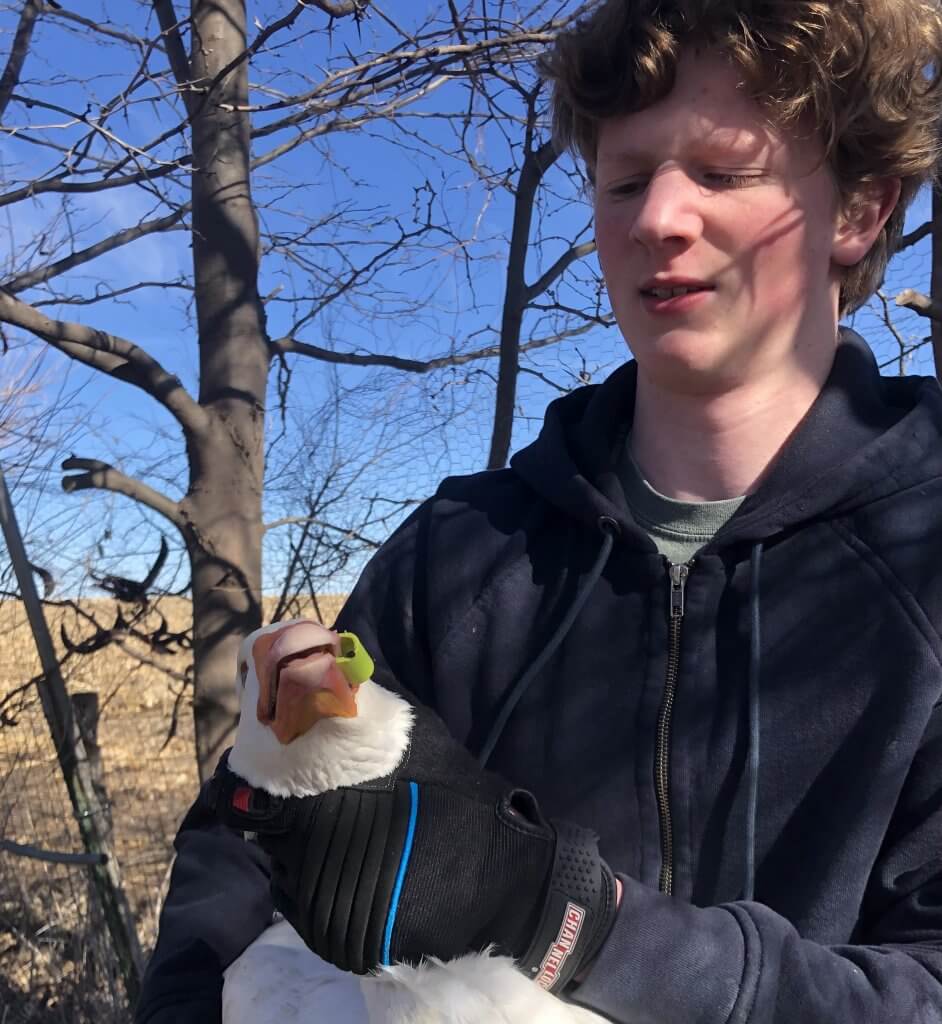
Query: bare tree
{"type": "Point", "coordinates": [200, 125]}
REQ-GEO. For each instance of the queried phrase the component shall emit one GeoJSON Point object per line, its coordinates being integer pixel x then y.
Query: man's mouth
{"type": "Point", "coordinates": [673, 293]}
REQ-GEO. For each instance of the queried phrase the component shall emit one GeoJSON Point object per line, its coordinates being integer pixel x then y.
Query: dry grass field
{"type": "Point", "coordinates": [55, 963]}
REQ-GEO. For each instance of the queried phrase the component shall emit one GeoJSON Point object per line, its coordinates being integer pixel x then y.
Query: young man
{"type": "Point", "coordinates": [700, 615]}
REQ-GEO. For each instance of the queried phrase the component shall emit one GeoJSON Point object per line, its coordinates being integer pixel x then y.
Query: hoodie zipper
{"type": "Point", "coordinates": [678, 583]}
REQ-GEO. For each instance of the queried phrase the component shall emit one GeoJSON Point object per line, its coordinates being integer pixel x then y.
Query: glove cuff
{"type": "Point", "coordinates": [578, 911]}
{"type": "Point", "coordinates": [243, 807]}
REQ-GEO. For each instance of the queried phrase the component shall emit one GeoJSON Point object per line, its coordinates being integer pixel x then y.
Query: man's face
{"type": "Point", "coordinates": [699, 188]}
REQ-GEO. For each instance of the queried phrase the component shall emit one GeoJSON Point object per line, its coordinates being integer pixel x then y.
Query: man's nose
{"type": "Point", "coordinates": [670, 209]}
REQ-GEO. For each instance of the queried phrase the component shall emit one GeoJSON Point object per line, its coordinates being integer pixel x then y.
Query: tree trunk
{"type": "Point", "coordinates": [223, 505]}
{"type": "Point", "coordinates": [535, 165]}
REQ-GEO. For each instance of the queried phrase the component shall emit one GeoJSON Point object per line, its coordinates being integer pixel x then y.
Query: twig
{"type": "Point", "coordinates": [909, 298]}
{"type": "Point", "coordinates": [52, 856]}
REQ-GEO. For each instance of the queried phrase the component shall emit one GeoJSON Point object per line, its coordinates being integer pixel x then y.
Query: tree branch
{"type": "Point", "coordinates": [516, 293]}
{"type": "Point", "coordinates": [100, 476]}
{"type": "Point", "coordinates": [341, 8]}
{"type": "Point", "coordinates": [195, 96]}
{"type": "Point", "coordinates": [110, 354]}
{"type": "Point", "coordinates": [909, 298]}
{"type": "Point", "coordinates": [339, 123]}
{"type": "Point", "coordinates": [891, 327]}
{"type": "Point", "coordinates": [935, 277]}
{"type": "Point", "coordinates": [335, 10]}
{"type": "Point", "coordinates": [97, 26]}
{"type": "Point", "coordinates": [400, 68]}
{"type": "Point", "coordinates": [38, 188]}
{"type": "Point", "coordinates": [18, 52]}
{"type": "Point", "coordinates": [577, 252]}
{"type": "Point", "coordinates": [914, 236]}
{"type": "Point", "coordinates": [176, 54]}
{"type": "Point", "coordinates": [347, 283]}
{"type": "Point", "coordinates": [108, 295]}
{"type": "Point", "coordinates": [75, 259]}
{"type": "Point", "coordinates": [285, 345]}
{"type": "Point", "coordinates": [51, 856]}
{"type": "Point", "coordinates": [96, 125]}
{"type": "Point", "coordinates": [296, 520]}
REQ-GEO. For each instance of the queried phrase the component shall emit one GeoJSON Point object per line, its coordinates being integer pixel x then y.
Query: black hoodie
{"type": "Point", "coordinates": [758, 745]}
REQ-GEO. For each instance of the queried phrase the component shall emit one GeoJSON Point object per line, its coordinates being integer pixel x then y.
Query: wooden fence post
{"type": "Point", "coordinates": [73, 761]}
{"type": "Point", "coordinates": [85, 709]}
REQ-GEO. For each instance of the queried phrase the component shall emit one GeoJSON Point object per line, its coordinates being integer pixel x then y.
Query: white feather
{"type": "Point", "coordinates": [479, 988]}
{"type": "Point", "coordinates": [278, 980]}
{"type": "Point", "coordinates": [335, 752]}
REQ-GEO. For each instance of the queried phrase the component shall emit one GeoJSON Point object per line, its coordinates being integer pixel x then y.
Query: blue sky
{"type": "Point", "coordinates": [422, 307]}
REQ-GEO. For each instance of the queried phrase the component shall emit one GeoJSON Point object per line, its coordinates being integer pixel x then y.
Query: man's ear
{"type": "Point", "coordinates": [862, 219]}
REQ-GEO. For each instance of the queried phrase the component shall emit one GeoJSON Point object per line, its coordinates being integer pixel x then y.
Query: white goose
{"type": "Point", "coordinates": [301, 737]}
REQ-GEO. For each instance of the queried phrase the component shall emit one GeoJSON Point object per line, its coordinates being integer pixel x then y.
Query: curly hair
{"type": "Point", "coordinates": [865, 74]}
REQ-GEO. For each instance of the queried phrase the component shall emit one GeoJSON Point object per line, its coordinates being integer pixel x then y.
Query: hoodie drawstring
{"type": "Point", "coordinates": [752, 763]}
{"type": "Point", "coordinates": [609, 529]}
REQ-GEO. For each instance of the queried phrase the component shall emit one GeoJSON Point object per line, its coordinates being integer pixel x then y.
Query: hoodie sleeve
{"type": "Point", "coordinates": [742, 963]}
{"type": "Point", "coordinates": [217, 904]}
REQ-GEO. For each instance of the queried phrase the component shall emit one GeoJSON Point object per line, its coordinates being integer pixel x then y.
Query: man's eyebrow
{"type": "Point", "coordinates": [738, 149]}
{"type": "Point", "coordinates": [623, 156]}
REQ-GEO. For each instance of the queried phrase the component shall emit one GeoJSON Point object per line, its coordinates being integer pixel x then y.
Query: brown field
{"type": "Point", "coordinates": [55, 961]}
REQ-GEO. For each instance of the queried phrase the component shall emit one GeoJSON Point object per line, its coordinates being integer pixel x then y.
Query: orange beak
{"type": "Point", "coordinates": [299, 681]}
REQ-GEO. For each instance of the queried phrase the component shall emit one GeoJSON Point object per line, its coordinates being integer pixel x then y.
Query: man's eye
{"type": "Point", "coordinates": [627, 188]}
{"type": "Point", "coordinates": [730, 180]}
{"type": "Point", "coordinates": [713, 179]}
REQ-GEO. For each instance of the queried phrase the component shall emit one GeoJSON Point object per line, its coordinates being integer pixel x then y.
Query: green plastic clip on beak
{"type": "Point", "coordinates": [354, 662]}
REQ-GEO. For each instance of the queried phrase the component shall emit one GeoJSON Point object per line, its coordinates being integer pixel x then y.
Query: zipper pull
{"type": "Point", "coordinates": [679, 574]}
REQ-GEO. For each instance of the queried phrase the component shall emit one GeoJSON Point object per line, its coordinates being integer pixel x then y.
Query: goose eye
{"type": "Point", "coordinates": [243, 671]}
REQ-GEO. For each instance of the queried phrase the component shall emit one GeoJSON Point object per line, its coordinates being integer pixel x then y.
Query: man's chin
{"type": "Point", "coordinates": [686, 363]}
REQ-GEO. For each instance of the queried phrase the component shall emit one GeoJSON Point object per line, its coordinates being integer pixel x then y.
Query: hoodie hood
{"type": "Point", "coordinates": [865, 437]}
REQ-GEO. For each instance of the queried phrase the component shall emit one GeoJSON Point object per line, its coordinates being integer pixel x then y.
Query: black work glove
{"type": "Point", "coordinates": [437, 859]}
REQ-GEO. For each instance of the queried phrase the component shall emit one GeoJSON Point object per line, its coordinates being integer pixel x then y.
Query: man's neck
{"type": "Point", "coordinates": [713, 447]}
